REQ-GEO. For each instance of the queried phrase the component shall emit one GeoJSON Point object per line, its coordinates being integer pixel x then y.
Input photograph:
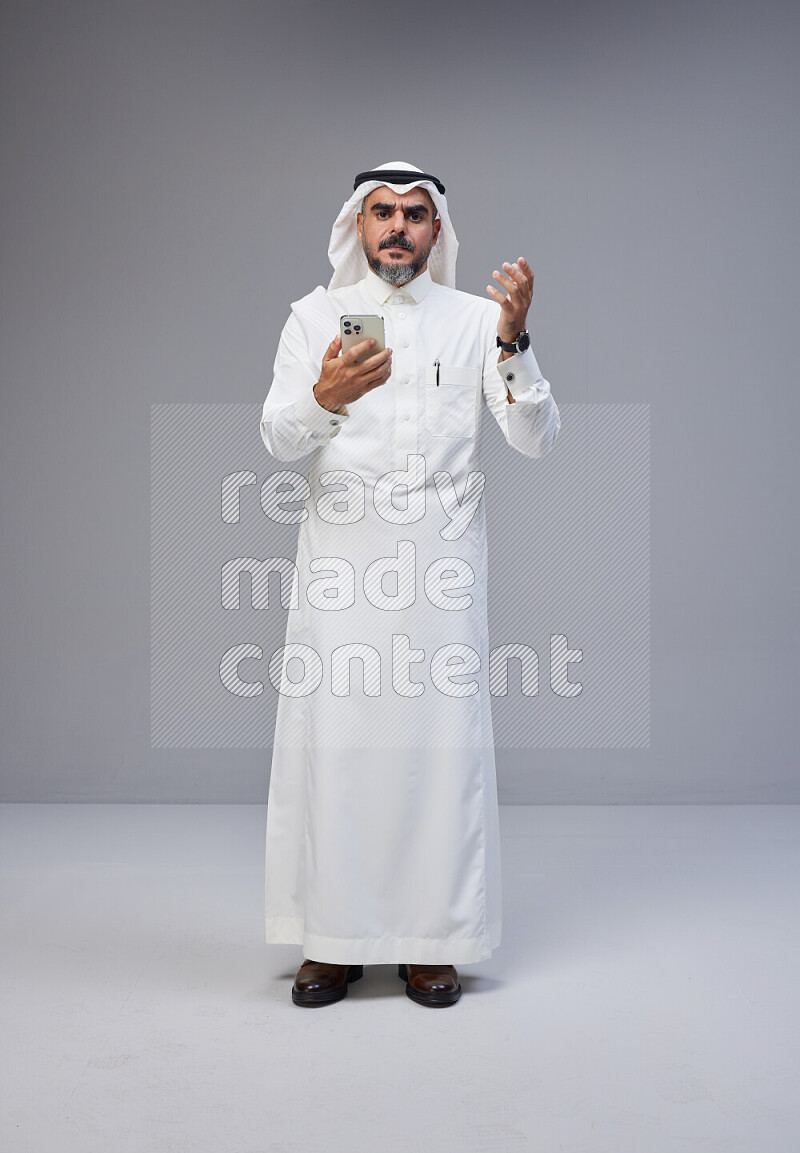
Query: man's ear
{"type": "Point", "coordinates": [437, 224]}
{"type": "Point", "coordinates": [360, 226]}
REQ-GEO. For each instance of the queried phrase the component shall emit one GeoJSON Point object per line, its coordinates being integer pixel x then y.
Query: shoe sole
{"type": "Point", "coordinates": [310, 998]}
{"type": "Point", "coordinates": [434, 999]}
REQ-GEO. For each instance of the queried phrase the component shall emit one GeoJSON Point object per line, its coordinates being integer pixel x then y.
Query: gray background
{"type": "Point", "coordinates": [170, 173]}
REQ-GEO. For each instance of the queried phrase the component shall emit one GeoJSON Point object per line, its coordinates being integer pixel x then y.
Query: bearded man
{"type": "Point", "coordinates": [382, 840]}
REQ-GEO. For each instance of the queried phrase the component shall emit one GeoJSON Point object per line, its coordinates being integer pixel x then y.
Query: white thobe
{"type": "Point", "coordinates": [382, 841]}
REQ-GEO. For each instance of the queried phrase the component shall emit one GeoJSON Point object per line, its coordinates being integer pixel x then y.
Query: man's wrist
{"type": "Point", "coordinates": [518, 341]}
{"type": "Point", "coordinates": [324, 402]}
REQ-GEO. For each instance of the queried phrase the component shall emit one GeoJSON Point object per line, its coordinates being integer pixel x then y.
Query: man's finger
{"type": "Point", "coordinates": [358, 350]}
{"type": "Point", "coordinates": [514, 285]}
{"type": "Point", "coordinates": [377, 367]}
{"type": "Point", "coordinates": [526, 268]}
{"type": "Point", "coordinates": [375, 361]}
{"type": "Point", "coordinates": [332, 351]}
{"type": "Point", "coordinates": [502, 278]}
{"type": "Point", "coordinates": [516, 273]}
{"type": "Point", "coordinates": [513, 289]}
{"type": "Point", "coordinates": [377, 378]}
{"type": "Point", "coordinates": [521, 272]}
{"type": "Point", "coordinates": [498, 296]}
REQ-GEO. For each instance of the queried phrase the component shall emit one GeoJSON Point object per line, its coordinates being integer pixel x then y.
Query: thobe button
{"type": "Point", "coordinates": [404, 343]}
{"type": "Point", "coordinates": [402, 315]}
{"type": "Point", "coordinates": [407, 416]}
{"type": "Point", "coordinates": [334, 422]}
{"type": "Point", "coordinates": [405, 380]}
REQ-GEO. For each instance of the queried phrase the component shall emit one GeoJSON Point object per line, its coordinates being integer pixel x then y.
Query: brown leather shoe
{"type": "Point", "coordinates": [318, 983]}
{"type": "Point", "coordinates": [432, 985]}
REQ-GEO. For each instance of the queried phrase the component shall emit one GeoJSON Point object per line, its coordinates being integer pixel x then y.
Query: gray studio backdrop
{"type": "Point", "coordinates": [170, 174]}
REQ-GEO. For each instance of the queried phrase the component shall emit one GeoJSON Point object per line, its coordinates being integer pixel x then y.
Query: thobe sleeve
{"type": "Point", "coordinates": [293, 422]}
{"type": "Point", "coordinates": [532, 422]}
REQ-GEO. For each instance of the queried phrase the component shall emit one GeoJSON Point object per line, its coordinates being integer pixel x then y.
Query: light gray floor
{"type": "Point", "coordinates": [644, 998]}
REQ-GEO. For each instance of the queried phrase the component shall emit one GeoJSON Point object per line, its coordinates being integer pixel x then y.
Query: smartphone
{"type": "Point", "coordinates": [354, 329]}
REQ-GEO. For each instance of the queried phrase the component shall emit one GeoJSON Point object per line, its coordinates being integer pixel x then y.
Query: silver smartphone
{"type": "Point", "coordinates": [355, 329]}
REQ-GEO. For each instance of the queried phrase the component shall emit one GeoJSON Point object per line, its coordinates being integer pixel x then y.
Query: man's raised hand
{"type": "Point", "coordinates": [343, 378]}
{"type": "Point", "coordinates": [517, 280]}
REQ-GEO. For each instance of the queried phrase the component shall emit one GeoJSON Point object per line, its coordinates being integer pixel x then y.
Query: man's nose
{"type": "Point", "coordinates": [398, 222]}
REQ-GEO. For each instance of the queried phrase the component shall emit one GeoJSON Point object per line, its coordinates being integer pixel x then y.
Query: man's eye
{"type": "Point", "coordinates": [381, 215]}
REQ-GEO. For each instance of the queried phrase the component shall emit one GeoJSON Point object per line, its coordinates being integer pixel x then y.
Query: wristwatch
{"type": "Point", "coordinates": [522, 342]}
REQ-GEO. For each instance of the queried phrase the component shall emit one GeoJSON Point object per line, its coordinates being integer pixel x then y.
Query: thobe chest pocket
{"type": "Point", "coordinates": [450, 403]}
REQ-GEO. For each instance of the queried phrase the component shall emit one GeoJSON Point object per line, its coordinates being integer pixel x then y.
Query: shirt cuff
{"type": "Point", "coordinates": [311, 413]}
{"type": "Point", "coordinates": [522, 377]}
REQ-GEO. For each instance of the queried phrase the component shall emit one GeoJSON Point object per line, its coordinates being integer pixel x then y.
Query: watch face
{"type": "Point", "coordinates": [523, 341]}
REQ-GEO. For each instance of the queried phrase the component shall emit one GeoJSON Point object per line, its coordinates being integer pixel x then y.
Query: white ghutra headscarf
{"type": "Point", "coordinates": [345, 250]}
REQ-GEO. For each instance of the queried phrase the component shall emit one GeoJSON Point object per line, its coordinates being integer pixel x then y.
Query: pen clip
{"type": "Point", "coordinates": [436, 366]}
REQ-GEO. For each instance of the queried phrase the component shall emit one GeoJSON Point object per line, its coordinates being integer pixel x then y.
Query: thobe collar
{"type": "Point", "coordinates": [411, 293]}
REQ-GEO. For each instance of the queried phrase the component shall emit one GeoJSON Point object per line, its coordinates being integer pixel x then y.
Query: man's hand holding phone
{"type": "Point", "coordinates": [344, 378]}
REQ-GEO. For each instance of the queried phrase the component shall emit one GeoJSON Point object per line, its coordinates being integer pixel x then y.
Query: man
{"type": "Point", "coordinates": [382, 818]}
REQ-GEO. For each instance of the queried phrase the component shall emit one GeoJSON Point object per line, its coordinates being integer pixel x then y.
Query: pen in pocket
{"type": "Point", "coordinates": [436, 366]}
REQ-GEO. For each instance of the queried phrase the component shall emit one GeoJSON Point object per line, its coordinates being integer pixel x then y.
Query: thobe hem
{"type": "Point", "coordinates": [382, 950]}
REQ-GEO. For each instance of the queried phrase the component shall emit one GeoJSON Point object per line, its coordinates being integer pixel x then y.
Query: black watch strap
{"type": "Point", "coordinates": [519, 345]}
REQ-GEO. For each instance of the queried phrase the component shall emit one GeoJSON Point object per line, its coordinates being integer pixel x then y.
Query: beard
{"type": "Point", "coordinates": [390, 271]}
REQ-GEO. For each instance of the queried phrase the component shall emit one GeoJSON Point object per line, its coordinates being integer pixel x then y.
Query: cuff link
{"type": "Point", "coordinates": [509, 376]}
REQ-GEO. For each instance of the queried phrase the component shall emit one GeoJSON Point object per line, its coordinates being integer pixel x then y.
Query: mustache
{"type": "Point", "coordinates": [397, 242]}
